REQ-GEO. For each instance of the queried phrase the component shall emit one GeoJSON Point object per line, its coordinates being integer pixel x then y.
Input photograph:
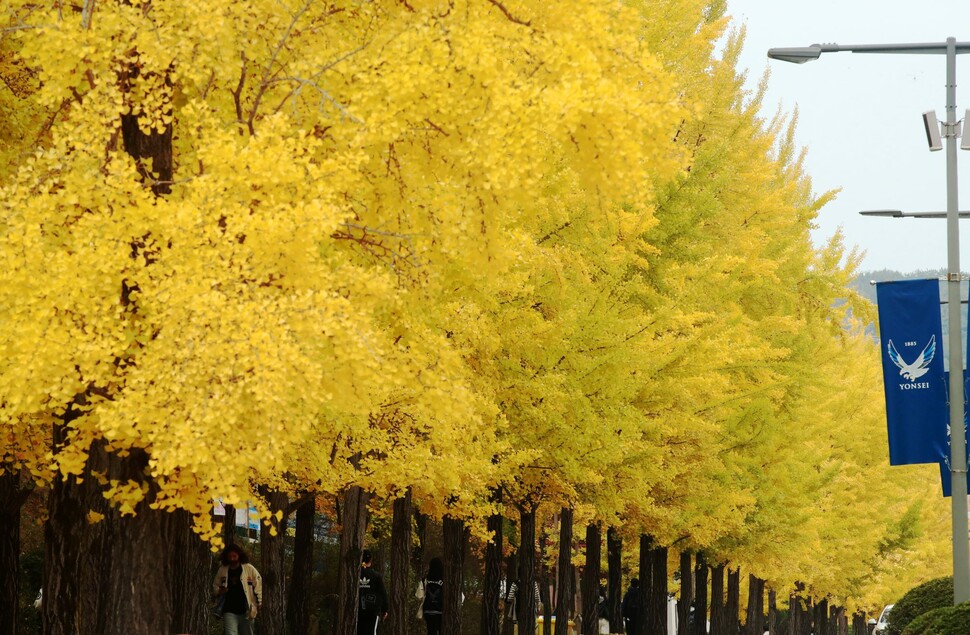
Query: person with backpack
{"type": "Point", "coordinates": [431, 592]}
{"type": "Point", "coordinates": [372, 603]}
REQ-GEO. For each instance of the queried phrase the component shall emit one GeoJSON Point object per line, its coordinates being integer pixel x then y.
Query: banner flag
{"type": "Point", "coordinates": [911, 340]}
{"type": "Point", "coordinates": [945, 463]}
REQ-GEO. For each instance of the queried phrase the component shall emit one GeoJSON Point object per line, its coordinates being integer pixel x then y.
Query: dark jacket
{"type": "Point", "coordinates": [373, 596]}
{"type": "Point", "coordinates": [631, 603]}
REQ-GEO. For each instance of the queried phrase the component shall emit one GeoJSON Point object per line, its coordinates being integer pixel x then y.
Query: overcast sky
{"type": "Point", "coordinates": [860, 116]}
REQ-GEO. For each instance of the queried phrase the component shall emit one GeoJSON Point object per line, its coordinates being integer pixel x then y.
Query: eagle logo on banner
{"type": "Point", "coordinates": [920, 366]}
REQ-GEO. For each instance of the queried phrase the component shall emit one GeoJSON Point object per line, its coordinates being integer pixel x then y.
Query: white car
{"type": "Point", "coordinates": [883, 620]}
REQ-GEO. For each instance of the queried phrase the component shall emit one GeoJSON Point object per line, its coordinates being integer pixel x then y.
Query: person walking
{"type": "Point", "coordinates": [431, 593]}
{"type": "Point", "coordinates": [238, 588]}
{"type": "Point", "coordinates": [630, 608]}
{"type": "Point", "coordinates": [372, 603]}
{"type": "Point", "coordinates": [511, 601]}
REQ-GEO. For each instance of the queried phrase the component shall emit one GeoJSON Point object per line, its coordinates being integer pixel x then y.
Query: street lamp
{"type": "Point", "coordinates": [895, 213]}
{"type": "Point", "coordinates": [958, 450]}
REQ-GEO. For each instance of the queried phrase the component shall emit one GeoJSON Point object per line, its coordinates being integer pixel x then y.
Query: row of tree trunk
{"type": "Point", "coordinates": [109, 573]}
{"type": "Point", "coordinates": [697, 612]}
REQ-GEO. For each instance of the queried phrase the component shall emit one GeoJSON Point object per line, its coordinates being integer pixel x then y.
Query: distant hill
{"type": "Point", "coordinates": [863, 282]}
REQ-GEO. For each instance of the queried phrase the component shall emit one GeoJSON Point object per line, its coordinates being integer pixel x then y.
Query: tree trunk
{"type": "Point", "coordinates": [591, 579]}
{"type": "Point", "coordinates": [808, 620]}
{"type": "Point", "coordinates": [718, 621]}
{"type": "Point", "coordinates": [545, 582]}
{"type": "Point", "coordinates": [492, 580]}
{"type": "Point", "coordinates": [614, 561]}
{"type": "Point", "coordinates": [658, 591]}
{"type": "Point", "coordinates": [821, 618]}
{"type": "Point", "coordinates": [646, 579]}
{"type": "Point", "coordinates": [69, 607]}
{"type": "Point", "coordinates": [512, 564]}
{"type": "Point", "coordinates": [455, 541]}
{"type": "Point", "coordinates": [564, 570]}
{"type": "Point", "coordinates": [65, 561]}
{"type": "Point", "coordinates": [800, 611]}
{"type": "Point", "coordinates": [96, 558]}
{"type": "Point", "coordinates": [525, 602]}
{"type": "Point", "coordinates": [95, 565]}
{"type": "Point", "coordinates": [131, 602]}
{"type": "Point", "coordinates": [298, 605]}
{"type": "Point", "coordinates": [191, 562]}
{"type": "Point", "coordinates": [398, 615]}
{"type": "Point", "coordinates": [12, 498]}
{"type": "Point", "coordinates": [686, 593]}
{"type": "Point", "coordinates": [841, 621]}
{"type": "Point", "coordinates": [732, 609]}
{"type": "Point", "coordinates": [794, 614]}
{"type": "Point", "coordinates": [229, 525]}
{"type": "Point", "coordinates": [859, 626]}
{"type": "Point", "coordinates": [773, 613]}
{"type": "Point", "coordinates": [755, 614]}
{"type": "Point", "coordinates": [418, 563]}
{"type": "Point", "coordinates": [700, 593]}
{"type": "Point", "coordinates": [272, 615]}
{"type": "Point", "coordinates": [156, 146]}
{"type": "Point", "coordinates": [353, 526]}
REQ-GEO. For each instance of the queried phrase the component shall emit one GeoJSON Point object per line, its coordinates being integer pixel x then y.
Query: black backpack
{"type": "Point", "coordinates": [433, 600]}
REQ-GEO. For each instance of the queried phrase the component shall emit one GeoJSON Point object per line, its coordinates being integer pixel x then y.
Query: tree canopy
{"type": "Point", "coordinates": [553, 248]}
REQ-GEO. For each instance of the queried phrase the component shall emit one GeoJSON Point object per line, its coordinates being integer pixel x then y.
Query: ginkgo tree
{"type": "Point", "coordinates": [205, 268]}
{"type": "Point", "coordinates": [444, 247]}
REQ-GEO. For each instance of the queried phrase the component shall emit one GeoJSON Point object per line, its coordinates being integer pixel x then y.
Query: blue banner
{"type": "Point", "coordinates": [911, 339]}
{"type": "Point", "coordinates": [945, 463]}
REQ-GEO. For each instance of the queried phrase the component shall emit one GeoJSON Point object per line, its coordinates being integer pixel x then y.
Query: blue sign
{"type": "Point", "coordinates": [911, 339]}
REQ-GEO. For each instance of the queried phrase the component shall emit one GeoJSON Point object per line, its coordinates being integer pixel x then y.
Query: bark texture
{"type": "Point", "coordinates": [754, 622]}
{"type": "Point", "coordinates": [658, 591]}
{"type": "Point", "coordinates": [564, 569]}
{"type": "Point", "coordinates": [191, 561]}
{"type": "Point", "coordinates": [353, 525]}
{"type": "Point", "coordinates": [591, 579]}
{"type": "Point", "coordinates": [96, 558]}
{"type": "Point", "coordinates": [699, 622]}
{"type": "Point", "coordinates": [272, 614]}
{"type": "Point", "coordinates": [397, 619]}
{"type": "Point", "coordinates": [858, 623]}
{"type": "Point", "coordinates": [13, 495]}
{"type": "Point", "coordinates": [492, 582]}
{"type": "Point", "coordinates": [821, 618]}
{"type": "Point", "coordinates": [614, 563]}
{"type": "Point", "coordinates": [646, 580]}
{"type": "Point", "coordinates": [686, 593]}
{"type": "Point", "coordinates": [800, 615]}
{"type": "Point", "coordinates": [525, 603]}
{"type": "Point", "coordinates": [298, 608]}
{"type": "Point", "coordinates": [455, 541]}
{"type": "Point", "coordinates": [732, 608]}
{"type": "Point", "coordinates": [717, 600]}
{"type": "Point", "coordinates": [773, 613]}
{"type": "Point", "coordinates": [229, 526]}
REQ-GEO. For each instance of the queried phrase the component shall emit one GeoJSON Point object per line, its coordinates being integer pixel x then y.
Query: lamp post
{"type": "Point", "coordinates": [958, 451]}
